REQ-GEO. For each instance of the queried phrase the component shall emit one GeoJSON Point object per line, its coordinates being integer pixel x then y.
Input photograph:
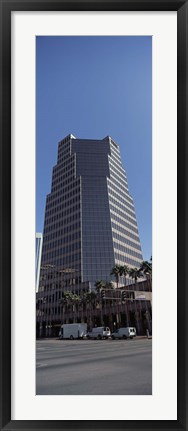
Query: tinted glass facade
{"type": "Point", "coordinates": [97, 247]}
{"type": "Point", "coordinates": [126, 242]}
{"type": "Point", "coordinates": [90, 223]}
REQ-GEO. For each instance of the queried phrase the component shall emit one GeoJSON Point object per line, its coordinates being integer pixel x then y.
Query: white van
{"type": "Point", "coordinates": [99, 333]}
{"type": "Point", "coordinates": [73, 331]}
{"type": "Point", "coordinates": [128, 332]}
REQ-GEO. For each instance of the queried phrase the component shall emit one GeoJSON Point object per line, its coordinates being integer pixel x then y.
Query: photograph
{"type": "Point", "coordinates": [93, 215]}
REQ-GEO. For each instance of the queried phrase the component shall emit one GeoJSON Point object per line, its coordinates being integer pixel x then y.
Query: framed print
{"type": "Point", "coordinates": [152, 32]}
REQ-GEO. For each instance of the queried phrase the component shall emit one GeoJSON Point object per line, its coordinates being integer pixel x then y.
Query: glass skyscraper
{"type": "Point", "coordinates": [90, 222]}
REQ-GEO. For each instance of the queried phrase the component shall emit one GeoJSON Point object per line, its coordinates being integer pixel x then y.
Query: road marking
{"type": "Point", "coordinates": [39, 365]}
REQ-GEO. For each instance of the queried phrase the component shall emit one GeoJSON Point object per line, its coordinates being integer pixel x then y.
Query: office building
{"type": "Point", "coordinates": [90, 223]}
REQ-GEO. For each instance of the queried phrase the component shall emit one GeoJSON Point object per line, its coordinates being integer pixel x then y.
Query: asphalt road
{"type": "Point", "coordinates": [94, 367]}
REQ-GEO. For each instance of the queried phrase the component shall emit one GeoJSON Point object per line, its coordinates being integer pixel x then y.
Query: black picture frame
{"type": "Point", "coordinates": [6, 7]}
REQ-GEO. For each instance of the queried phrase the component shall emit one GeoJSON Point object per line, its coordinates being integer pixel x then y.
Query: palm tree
{"type": "Point", "coordinates": [70, 299]}
{"type": "Point", "coordinates": [146, 267]}
{"type": "Point", "coordinates": [65, 301]}
{"type": "Point", "coordinates": [99, 284]}
{"type": "Point", "coordinates": [108, 285]}
{"type": "Point", "coordinates": [90, 299]}
{"type": "Point", "coordinates": [92, 296]}
{"type": "Point", "coordinates": [116, 271]}
{"type": "Point", "coordinates": [135, 273]}
{"type": "Point", "coordinates": [124, 271]}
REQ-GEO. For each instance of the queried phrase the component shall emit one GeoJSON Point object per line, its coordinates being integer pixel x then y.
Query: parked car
{"type": "Point", "coordinates": [128, 332]}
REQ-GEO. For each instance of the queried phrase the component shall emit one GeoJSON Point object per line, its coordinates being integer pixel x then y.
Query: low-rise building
{"type": "Point", "coordinates": [126, 306]}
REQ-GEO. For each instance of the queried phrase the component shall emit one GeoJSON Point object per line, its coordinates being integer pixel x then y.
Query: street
{"type": "Point", "coordinates": [94, 367]}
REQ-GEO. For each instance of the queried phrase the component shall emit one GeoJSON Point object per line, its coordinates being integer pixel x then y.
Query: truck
{"type": "Point", "coordinates": [73, 331]}
{"type": "Point", "coordinates": [99, 333]}
{"type": "Point", "coordinates": [128, 332]}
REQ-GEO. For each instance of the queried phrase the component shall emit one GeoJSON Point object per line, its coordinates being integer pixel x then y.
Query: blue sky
{"type": "Point", "coordinates": [94, 86]}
